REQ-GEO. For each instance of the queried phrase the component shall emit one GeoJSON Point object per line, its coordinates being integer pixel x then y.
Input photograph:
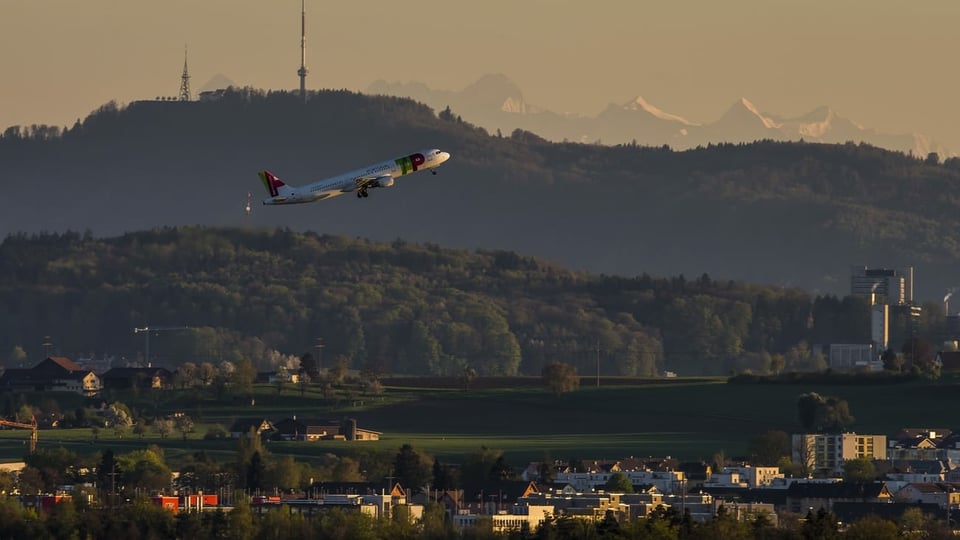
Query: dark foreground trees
{"type": "Point", "coordinates": [141, 519]}
{"type": "Point", "coordinates": [823, 413]}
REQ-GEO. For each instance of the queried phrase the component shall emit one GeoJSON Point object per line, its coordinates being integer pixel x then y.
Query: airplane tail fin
{"type": "Point", "coordinates": [275, 186]}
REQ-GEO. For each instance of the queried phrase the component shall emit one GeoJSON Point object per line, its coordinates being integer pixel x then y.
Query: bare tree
{"type": "Point", "coordinates": [560, 377]}
{"type": "Point", "coordinates": [117, 416]}
{"type": "Point", "coordinates": [304, 382]}
{"type": "Point", "coordinates": [163, 427]}
{"type": "Point", "coordinates": [184, 425]}
{"type": "Point", "coordinates": [339, 371]}
{"type": "Point", "coordinates": [206, 373]}
{"type": "Point", "coordinates": [187, 374]}
{"type": "Point", "coordinates": [804, 453]}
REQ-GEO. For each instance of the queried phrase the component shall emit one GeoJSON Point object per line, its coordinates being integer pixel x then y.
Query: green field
{"type": "Point", "coordinates": [684, 419]}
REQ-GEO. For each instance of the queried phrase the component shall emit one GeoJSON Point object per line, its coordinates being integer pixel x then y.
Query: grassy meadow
{"type": "Point", "coordinates": [689, 419]}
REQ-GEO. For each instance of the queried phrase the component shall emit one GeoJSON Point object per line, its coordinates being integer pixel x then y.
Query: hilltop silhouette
{"type": "Point", "coordinates": [784, 213]}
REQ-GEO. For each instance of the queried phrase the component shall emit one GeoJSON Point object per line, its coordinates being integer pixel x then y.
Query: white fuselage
{"type": "Point", "coordinates": [379, 175]}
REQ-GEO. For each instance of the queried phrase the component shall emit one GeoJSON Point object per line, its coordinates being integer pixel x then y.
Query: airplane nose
{"type": "Point", "coordinates": [444, 156]}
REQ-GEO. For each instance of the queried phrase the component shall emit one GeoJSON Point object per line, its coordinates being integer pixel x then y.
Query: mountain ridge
{"type": "Point", "coordinates": [669, 128]}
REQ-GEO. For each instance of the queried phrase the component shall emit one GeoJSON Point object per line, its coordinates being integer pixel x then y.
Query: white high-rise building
{"type": "Point", "coordinates": [885, 285]}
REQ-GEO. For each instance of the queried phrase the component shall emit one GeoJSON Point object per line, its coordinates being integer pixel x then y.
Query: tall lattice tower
{"type": "Point", "coordinates": [302, 72]}
{"type": "Point", "coordinates": [185, 79]}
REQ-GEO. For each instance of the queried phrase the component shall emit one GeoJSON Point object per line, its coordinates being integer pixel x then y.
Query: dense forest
{"type": "Point", "coordinates": [266, 294]}
{"type": "Point", "coordinates": [792, 214]}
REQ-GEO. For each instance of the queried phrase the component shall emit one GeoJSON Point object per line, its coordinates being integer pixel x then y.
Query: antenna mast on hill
{"type": "Point", "coordinates": [302, 72]}
{"type": "Point", "coordinates": [247, 209]}
{"type": "Point", "coordinates": [185, 79]}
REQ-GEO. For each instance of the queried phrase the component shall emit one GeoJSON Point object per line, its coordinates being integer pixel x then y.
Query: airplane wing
{"type": "Point", "coordinates": [365, 182]}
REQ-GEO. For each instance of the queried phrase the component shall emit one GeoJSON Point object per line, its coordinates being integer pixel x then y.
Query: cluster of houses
{"type": "Point", "coordinates": [60, 374]}
{"type": "Point", "coordinates": [89, 376]}
{"type": "Point", "coordinates": [54, 374]}
{"type": "Point", "coordinates": [916, 467]}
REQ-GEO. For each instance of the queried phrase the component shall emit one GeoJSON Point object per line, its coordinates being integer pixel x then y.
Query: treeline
{"type": "Point", "coordinates": [142, 519]}
{"type": "Point", "coordinates": [404, 308]}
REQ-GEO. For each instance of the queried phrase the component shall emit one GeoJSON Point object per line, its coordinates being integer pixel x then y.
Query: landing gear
{"type": "Point", "coordinates": [433, 171]}
{"type": "Point", "coordinates": [362, 193]}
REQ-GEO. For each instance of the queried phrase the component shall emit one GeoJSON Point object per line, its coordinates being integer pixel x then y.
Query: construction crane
{"type": "Point", "coordinates": [151, 329]}
{"type": "Point", "coordinates": [31, 426]}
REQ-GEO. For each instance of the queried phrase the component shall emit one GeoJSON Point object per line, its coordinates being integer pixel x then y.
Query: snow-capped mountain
{"type": "Point", "coordinates": [496, 103]}
{"type": "Point", "coordinates": [216, 82]}
{"type": "Point", "coordinates": [493, 93]}
{"type": "Point", "coordinates": [640, 105]}
{"type": "Point", "coordinates": [742, 122]}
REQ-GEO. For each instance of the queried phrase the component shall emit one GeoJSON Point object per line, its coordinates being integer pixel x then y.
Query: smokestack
{"type": "Point", "coordinates": [946, 303]}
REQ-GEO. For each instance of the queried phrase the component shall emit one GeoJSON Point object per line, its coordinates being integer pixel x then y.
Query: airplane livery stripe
{"type": "Point", "coordinates": [410, 163]}
{"type": "Point", "coordinates": [405, 165]}
{"type": "Point", "coordinates": [266, 183]}
{"type": "Point", "coordinates": [270, 185]}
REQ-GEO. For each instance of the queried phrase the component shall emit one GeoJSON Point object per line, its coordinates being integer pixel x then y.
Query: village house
{"type": "Point", "coordinates": [917, 444]}
{"type": "Point", "coordinates": [517, 518]}
{"type": "Point", "coordinates": [594, 505]}
{"type": "Point", "coordinates": [311, 429]}
{"type": "Point", "coordinates": [376, 501]}
{"type": "Point", "coordinates": [666, 481]}
{"type": "Point", "coordinates": [938, 493]}
{"type": "Point", "coordinates": [804, 496]}
{"type": "Point", "coordinates": [775, 496]}
{"type": "Point", "coordinates": [53, 374]}
{"type": "Point", "coordinates": [744, 476]}
{"type": "Point", "coordinates": [144, 378]}
{"type": "Point", "coordinates": [247, 427]}
{"type": "Point", "coordinates": [591, 506]}
{"type": "Point", "coordinates": [911, 471]}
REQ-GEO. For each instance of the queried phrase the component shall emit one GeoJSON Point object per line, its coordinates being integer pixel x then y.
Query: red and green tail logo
{"type": "Point", "coordinates": [410, 163]}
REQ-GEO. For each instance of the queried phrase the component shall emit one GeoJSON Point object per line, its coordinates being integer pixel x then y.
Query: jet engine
{"type": "Point", "coordinates": [385, 181]}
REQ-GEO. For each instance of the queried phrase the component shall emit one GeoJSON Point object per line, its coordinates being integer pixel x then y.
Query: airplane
{"type": "Point", "coordinates": [381, 175]}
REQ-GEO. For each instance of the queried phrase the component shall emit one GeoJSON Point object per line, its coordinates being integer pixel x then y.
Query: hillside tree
{"type": "Point", "coordinates": [560, 378]}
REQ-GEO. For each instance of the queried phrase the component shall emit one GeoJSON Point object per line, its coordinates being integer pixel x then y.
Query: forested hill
{"type": "Point", "coordinates": [394, 308]}
{"type": "Point", "coordinates": [782, 213]}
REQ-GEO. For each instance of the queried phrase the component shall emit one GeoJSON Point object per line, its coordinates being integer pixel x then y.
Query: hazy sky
{"type": "Point", "coordinates": [888, 64]}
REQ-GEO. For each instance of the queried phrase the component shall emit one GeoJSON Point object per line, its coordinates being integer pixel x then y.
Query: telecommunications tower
{"type": "Point", "coordinates": [185, 79]}
{"type": "Point", "coordinates": [302, 72]}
